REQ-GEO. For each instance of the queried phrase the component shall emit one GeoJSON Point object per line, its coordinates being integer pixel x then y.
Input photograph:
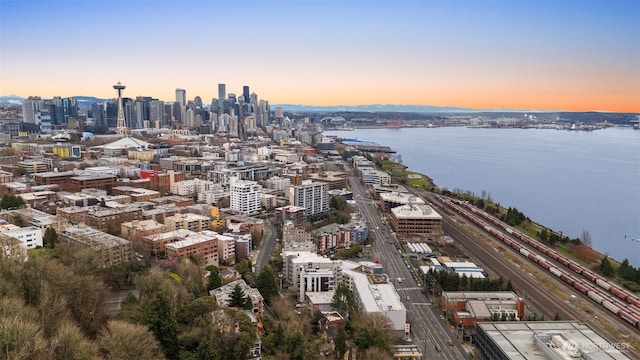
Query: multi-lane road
{"type": "Point", "coordinates": [429, 330]}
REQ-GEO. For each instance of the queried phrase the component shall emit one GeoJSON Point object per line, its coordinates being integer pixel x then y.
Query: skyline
{"type": "Point", "coordinates": [537, 55]}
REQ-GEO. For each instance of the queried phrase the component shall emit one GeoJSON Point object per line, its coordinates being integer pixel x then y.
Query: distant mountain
{"type": "Point", "coordinates": [11, 100]}
{"type": "Point", "coordinates": [84, 102]}
{"type": "Point", "coordinates": [373, 108]}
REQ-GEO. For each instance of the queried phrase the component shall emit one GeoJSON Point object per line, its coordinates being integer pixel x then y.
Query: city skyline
{"type": "Point", "coordinates": [538, 55]}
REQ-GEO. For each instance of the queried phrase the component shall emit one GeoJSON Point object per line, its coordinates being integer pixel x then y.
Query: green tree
{"type": "Point", "coordinates": [605, 267]}
{"type": "Point", "coordinates": [196, 312]}
{"type": "Point", "coordinates": [158, 316]}
{"type": "Point", "coordinates": [50, 237]}
{"type": "Point", "coordinates": [237, 297]}
{"type": "Point", "coordinates": [9, 201]}
{"type": "Point", "coordinates": [266, 283]}
{"type": "Point", "coordinates": [214, 278]}
{"type": "Point", "coordinates": [343, 299]}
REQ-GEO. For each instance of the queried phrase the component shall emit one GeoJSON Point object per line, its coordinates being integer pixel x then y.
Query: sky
{"type": "Point", "coordinates": [484, 54]}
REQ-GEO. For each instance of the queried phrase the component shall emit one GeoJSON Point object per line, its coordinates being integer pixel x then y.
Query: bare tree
{"type": "Point", "coordinates": [585, 238]}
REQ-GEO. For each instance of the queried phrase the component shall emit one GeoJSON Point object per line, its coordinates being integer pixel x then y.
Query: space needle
{"type": "Point", "coordinates": [121, 128]}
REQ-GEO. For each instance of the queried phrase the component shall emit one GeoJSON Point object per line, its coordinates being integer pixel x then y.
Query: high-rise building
{"type": "Point", "coordinates": [246, 94]}
{"type": "Point", "coordinates": [222, 91]}
{"type": "Point", "coordinates": [181, 97]}
{"type": "Point", "coordinates": [245, 196]}
{"type": "Point", "coordinates": [30, 109]}
{"type": "Point", "coordinates": [312, 195]}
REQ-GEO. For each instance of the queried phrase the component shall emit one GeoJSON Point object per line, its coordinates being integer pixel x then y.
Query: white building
{"type": "Point", "coordinates": [206, 191]}
{"type": "Point", "coordinates": [245, 196]}
{"type": "Point", "coordinates": [375, 177]}
{"type": "Point", "coordinates": [374, 298]}
{"type": "Point", "coordinates": [311, 195]}
{"type": "Point", "coordinates": [226, 249]}
{"type": "Point", "coordinates": [297, 261]}
{"type": "Point", "coordinates": [30, 236]}
{"type": "Point", "coordinates": [277, 183]}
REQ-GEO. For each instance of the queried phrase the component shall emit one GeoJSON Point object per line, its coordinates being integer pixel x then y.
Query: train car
{"type": "Point", "coordinates": [603, 284]}
{"type": "Point", "coordinates": [595, 296]}
{"type": "Point", "coordinates": [575, 267]}
{"type": "Point", "coordinates": [544, 263]}
{"type": "Point", "coordinates": [563, 260]}
{"type": "Point", "coordinates": [524, 252]}
{"type": "Point", "coordinates": [533, 257]}
{"type": "Point", "coordinates": [610, 306]}
{"type": "Point", "coordinates": [580, 287]}
{"type": "Point", "coordinates": [567, 278]}
{"type": "Point", "coordinates": [555, 271]}
{"type": "Point", "coordinates": [628, 318]}
{"type": "Point", "coordinates": [509, 230]}
{"type": "Point", "coordinates": [633, 300]}
{"type": "Point", "coordinates": [553, 255]}
{"type": "Point", "coordinates": [589, 275]}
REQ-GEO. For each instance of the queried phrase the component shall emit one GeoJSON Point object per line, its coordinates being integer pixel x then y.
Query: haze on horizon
{"type": "Point", "coordinates": [519, 54]}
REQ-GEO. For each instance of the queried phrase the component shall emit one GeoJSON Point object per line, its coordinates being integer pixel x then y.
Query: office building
{"type": "Point", "coordinates": [416, 219]}
{"type": "Point", "coordinates": [181, 97]}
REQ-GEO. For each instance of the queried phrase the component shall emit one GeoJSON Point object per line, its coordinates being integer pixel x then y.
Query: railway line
{"type": "Point", "coordinates": [610, 296]}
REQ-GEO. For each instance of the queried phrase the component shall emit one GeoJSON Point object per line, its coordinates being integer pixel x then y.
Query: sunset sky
{"type": "Point", "coordinates": [516, 54]}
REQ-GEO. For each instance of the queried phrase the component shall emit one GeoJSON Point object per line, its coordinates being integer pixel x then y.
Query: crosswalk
{"type": "Point", "coordinates": [409, 288]}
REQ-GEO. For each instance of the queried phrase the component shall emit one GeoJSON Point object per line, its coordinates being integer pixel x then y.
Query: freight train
{"type": "Point", "coordinates": [623, 303]}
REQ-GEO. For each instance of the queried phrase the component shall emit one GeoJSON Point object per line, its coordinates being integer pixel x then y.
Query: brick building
{"type": "Point", "coordinates": [104, 218]}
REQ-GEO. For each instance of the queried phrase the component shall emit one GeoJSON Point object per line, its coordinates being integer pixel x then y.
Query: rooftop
{"type": "Point", "coordinates": [516, 339]}
{"type": "Point", "coordinates": [415, 211]}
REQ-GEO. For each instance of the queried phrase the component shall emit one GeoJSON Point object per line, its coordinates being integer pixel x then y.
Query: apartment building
{"type": "Point", "coordinates": [188, 221]}
{"type": "Point", "coordinates": [203, 244]}
{"type": "Point", "coordinates": [312, 196]}
{"type": "Point", "coordinates": [111, 249]}
{"type": "Point", "coordinates": [245, 196]}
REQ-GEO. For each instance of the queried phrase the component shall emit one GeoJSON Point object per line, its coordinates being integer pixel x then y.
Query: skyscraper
{"type": "Point", "coordinates": [181, 96]}
{"type": "Point", "coordinates": [122, 126]}
{"type": "Point", "coordinates": [222, 91]}
{"type": "Point", "coordinates": [245, 93]}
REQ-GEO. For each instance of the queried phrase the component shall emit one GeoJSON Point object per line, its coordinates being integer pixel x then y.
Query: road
{"type": "Point", "coordinates": [427, 327]}
{"type": "Point", "coordinates": [542, 292]}
{"type": "Point", "coordinates": [266, 248]}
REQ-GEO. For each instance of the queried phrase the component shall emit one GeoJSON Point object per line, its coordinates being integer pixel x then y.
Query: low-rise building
{"type": "Point", "coordinates": [110, 219]}
{"type": "Point", "coordinates": [415, 219]}
{"type": "Point", "coordinates": [203, 244]}
{"type": "Point", "coordinates": [541, 340]}
{"type": "Point", "coordinates": [111, 249]}
{"type": "Point", "coordinates": [30, 236]}
{"type": "Point", "coordinates": [155, 244]}
{"type": "Point", "coordinates": [222, 295]}
{"type": "Point", "coordinates": [188, 221]}
{"type": "Point", "coordinates": [138, 229]}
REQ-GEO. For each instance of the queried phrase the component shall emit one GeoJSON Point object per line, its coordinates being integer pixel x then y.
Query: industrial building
{"type": "Point", "coordinates": [544, 340]}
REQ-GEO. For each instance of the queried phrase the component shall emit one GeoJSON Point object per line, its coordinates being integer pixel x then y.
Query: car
{"type": "Point", "coordinates": [408, 299]}
{"type": "Point", "coordinates": [399, 280]}
{"type": "Point", "coordinates": [451, 342]}
{"type": "Point", "coordinates": [438, 348]}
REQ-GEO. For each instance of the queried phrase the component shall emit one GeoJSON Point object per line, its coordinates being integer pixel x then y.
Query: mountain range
{"type": "Point", "coordinates": [85, 102]}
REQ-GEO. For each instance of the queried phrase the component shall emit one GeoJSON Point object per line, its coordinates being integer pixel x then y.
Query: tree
{"type": "Point", "coordinates": [50, 237]}
{"type": "Point", "coordinates": [605, 267]}
{"type": "Point", "coordinates": [585, 238]}
{"type": "Point", "coordinates": [122, 340]}
{"type": "Point", "coordinates": [214, 278]}
{"type": "Point", "coordinates": [343, 300]}
{"type": "Point", "coordinates": [237, 297]}
{"type": "Point", "coordinates": [9, 201]}
{"type": "Point", "coordinates": [266, 283]}
{"type": "Point", "coordinates": [158, 316]}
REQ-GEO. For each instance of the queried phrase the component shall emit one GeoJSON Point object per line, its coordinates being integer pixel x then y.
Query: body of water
{"type": "Point", "coordinates": [569, 181]}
